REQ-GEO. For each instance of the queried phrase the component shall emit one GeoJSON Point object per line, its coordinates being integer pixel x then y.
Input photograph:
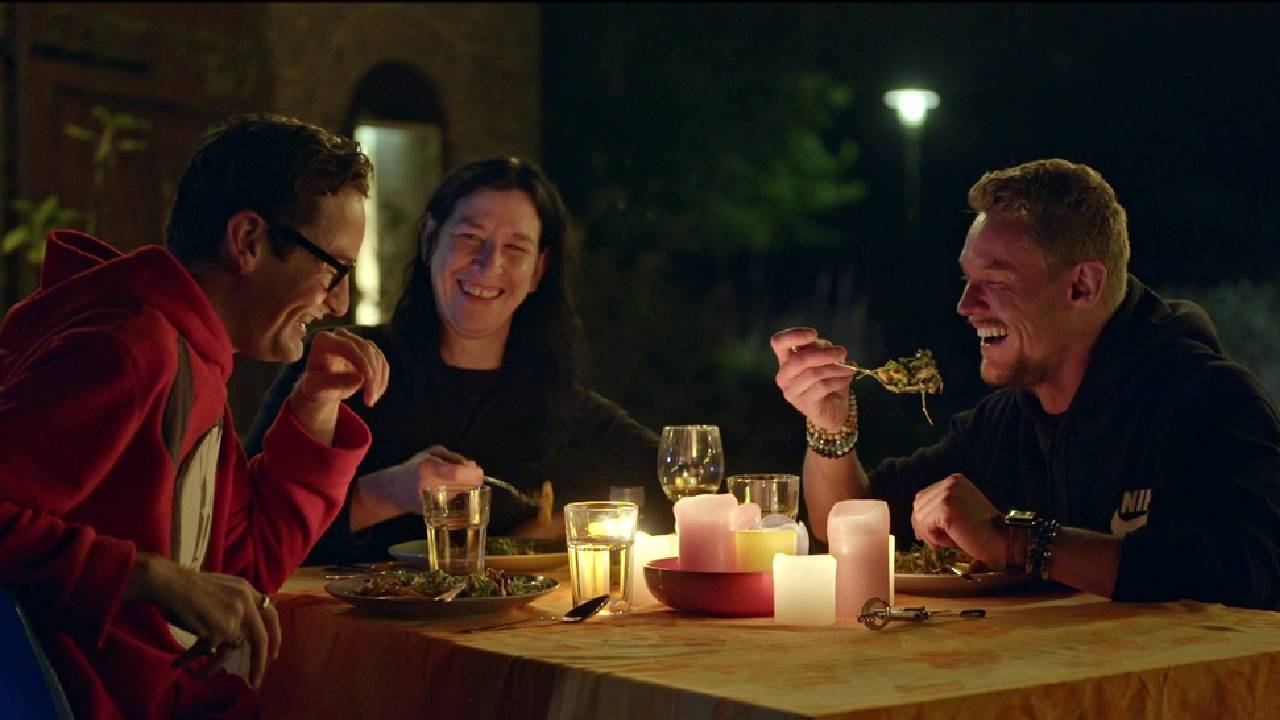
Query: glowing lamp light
{"type": "Point", "coordinates": [912, 104]}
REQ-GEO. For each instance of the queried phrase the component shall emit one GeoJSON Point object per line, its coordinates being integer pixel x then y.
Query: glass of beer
{"type": "Point", "coordinates": [601, 536]}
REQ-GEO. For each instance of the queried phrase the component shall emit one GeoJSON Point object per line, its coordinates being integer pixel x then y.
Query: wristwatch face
{"type": "Point", "coordinates": [1020, 518]}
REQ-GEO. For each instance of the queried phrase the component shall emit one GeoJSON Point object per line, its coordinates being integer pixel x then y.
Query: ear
{"type": "Point", "coordinates": [424, 239]}
{"type": "Point", "coordinates": [245, 240]}
{"type": "Point", "coordinates": [1088, 278]}
{"type": "Point", "coordinates": [539, 267]}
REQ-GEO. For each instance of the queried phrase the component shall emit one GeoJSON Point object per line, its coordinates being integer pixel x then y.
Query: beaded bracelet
{"type": "Point", "coordinates": [838, 443]}
{"type": "Point", "coordinates": [1040, 547]}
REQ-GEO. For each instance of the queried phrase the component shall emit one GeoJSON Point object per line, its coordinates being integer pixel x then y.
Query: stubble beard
{"type": "Point", "coordinates": [1025, 374]}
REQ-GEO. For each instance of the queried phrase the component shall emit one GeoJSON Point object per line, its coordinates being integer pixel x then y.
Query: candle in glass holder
{"type": "Point", "coordinates": [649, 547]}
{"type": "Point", "coordinates": [858, 538]}
{"type": "Point", "coordinates": [705, 526]}
{"type": "Point", "coordinates": [804, 589]}
{"type": "Point", "coordinates": [756, 547]}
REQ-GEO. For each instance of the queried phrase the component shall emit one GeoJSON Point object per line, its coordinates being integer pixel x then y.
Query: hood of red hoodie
{"type": "Point", "coordinates": [82, 273]}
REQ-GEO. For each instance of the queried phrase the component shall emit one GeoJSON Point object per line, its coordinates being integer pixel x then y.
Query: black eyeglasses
{"type": "Point", "coordinates": [340, 269]}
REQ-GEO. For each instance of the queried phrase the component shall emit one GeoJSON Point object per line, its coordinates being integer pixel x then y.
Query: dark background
{"type": "Point", "coordinates": [732, 168]}
{"type": "Point", "coordinates": [658, 117]}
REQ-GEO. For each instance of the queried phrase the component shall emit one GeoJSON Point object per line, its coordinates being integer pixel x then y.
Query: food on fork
{"type": "Point", "coordinates": [916, 374]}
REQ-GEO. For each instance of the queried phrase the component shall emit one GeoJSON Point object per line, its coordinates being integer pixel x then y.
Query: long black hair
{"type": "Point", "coordinates": [543, 349]}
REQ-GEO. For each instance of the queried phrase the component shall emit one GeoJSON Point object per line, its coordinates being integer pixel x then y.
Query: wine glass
{"type": "Point", "coordinates": [690, 460]}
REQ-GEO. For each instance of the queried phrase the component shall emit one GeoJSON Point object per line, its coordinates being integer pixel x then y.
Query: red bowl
{"type": "Point", "coordinates": [727, 594]}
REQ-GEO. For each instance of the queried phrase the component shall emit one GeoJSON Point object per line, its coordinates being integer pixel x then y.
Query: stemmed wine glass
{"type": "Point", "coordinates": [690, 460]}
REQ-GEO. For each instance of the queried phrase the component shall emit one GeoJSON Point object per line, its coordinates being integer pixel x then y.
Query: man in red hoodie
{"type": "Point", "coordinates": [133, 529]}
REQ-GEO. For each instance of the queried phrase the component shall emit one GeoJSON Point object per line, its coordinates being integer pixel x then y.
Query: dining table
{"type": "Point", "coordinates": [1041, 651]}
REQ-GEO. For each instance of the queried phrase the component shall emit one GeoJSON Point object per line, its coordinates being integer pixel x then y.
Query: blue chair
{"type": "Point", "coordinates": [28, 685]}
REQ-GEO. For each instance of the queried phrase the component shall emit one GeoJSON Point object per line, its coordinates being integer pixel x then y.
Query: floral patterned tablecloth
{"type": "Point", "coordinates": [1036, 654]}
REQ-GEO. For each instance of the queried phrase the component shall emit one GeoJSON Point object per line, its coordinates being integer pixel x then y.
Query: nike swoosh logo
{"type": "Point", "coordinates": [1120, 528]}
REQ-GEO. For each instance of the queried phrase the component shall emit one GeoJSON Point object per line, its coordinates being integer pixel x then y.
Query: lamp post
{"type": "Point", "coordinates": [913, 105]}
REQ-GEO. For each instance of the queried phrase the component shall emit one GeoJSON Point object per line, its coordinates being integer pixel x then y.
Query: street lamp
{"type": "Point", "coordinates": [913, 105]}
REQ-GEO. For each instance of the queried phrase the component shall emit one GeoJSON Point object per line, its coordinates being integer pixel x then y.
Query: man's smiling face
{"type": "Point", "coordinates": [1018, 309]}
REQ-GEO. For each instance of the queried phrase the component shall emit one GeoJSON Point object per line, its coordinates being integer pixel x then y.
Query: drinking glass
{"type": "Point", "coordinates": [629, 493]}
{"type": "Point", "coordinates": [601, 536]}
{"type": "Point", "coordinates": [690, 460]}
{"type": "Point", "coordinates": [775, 493]}
{"type": "Point", "coordinates": [456, 524]}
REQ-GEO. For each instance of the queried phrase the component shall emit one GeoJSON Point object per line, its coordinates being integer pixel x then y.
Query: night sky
{"type": "Point", "coordinates": [1176, 105]}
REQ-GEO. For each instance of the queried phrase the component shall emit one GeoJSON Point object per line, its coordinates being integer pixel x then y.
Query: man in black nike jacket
{"type": "Point", "coordinates": [1121, 454]}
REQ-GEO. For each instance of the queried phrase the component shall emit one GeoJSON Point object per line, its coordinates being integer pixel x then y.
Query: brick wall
{"type": "Point", "coordinates": [483, 58]}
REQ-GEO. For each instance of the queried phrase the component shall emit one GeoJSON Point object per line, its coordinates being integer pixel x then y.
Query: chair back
{"type": "Point", "coordinates": [27, 682]}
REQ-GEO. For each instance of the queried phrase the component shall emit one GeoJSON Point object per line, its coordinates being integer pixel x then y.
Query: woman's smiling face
{"type": "Point", "coordinates": [487, 259]}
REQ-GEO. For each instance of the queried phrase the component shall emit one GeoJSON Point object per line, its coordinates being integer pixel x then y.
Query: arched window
{"type": "Point", "coordinates": [396, 117]}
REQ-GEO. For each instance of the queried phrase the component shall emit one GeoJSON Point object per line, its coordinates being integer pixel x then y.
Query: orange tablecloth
{"type": "Point", "coordinates": [1035, 655]}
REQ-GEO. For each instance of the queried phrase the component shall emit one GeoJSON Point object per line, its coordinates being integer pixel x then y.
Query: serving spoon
{"type": "Point", "coordinates": [578, 613]}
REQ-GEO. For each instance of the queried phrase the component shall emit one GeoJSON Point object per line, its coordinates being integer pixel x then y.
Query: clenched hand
{"type": "Point", "coordinates": [954, 512]}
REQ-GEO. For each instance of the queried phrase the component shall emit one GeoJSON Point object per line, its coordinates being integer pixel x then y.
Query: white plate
{"type": "Point", "coordinates": [415, 552]}
{"type": "Point", "coordinates": [425, 607]}
{"type": "Point", "coordinates": [974, 584]}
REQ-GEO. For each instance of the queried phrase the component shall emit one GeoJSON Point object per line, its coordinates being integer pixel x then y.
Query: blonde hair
{"type": "Point", "coordinates": [1073, 212]}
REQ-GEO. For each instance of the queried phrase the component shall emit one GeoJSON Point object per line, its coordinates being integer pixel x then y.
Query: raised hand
{"type": "Point", "coordinates": [223, 611]}
{"type": "Point", "coordinates": [954, 512]}
{"type": "Point", "coordinates": [811, 378]}
{"type": "Point", "coordinates": [341, 362]}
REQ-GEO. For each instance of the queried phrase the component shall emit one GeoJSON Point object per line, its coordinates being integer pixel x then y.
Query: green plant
{"type": "Point", "coordinates": [37, 219]}
{"type": "Point", "coordinates": [108, 143]}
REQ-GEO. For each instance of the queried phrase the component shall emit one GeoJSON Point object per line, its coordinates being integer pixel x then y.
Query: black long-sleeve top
{"type": "Point", "coordinates": [494, 418]}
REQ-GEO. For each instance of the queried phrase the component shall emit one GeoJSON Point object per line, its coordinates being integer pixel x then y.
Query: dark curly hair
{"type": "Point", "coordinates": [276, 166]}
{"type": "Point", "coordinates": [544, 346]}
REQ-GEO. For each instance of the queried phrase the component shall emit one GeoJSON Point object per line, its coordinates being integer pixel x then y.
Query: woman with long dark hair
{"type": "Point", "coordinates": [483, 348]}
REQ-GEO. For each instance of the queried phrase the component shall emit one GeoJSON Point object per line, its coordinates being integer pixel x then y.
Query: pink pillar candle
{"type": "Point", "coordinates": [858, 538]}
{"type": "Point", "coordinates": [704, 524]}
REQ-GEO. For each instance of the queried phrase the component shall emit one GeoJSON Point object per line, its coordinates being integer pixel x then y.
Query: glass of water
{"type": "Point", "coordinates": [601, 536]}
{"type": "Point", "coordinates": [456, 524]}
{"type": "Point", "coordinates": [690, 460]}
{"type": "Point", "coordinates": [628, 493]}
{"type": "Point", "coordinates": [775, 493]}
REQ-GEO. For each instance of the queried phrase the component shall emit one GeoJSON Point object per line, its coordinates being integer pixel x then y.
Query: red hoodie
{"type": "Point", "coordinates": [87, 480]}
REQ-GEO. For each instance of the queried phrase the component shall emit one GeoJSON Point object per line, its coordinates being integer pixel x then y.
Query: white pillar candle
{"type": "Point", "coordinates": [804, 589]}
{"type": "Point", "coordinates": [893, 573]}
{"type": "Point", "coordinates": [705, 526]}
{"type": "Point", "coordinates": [858, 538]}
{"type": "Point", "coordinates": [648, 547]}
